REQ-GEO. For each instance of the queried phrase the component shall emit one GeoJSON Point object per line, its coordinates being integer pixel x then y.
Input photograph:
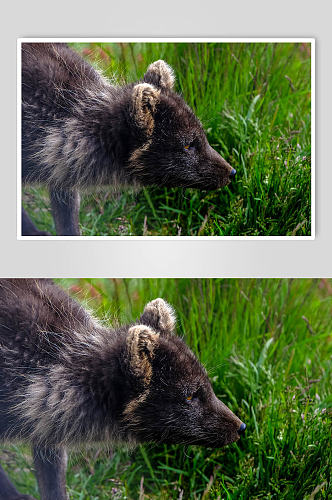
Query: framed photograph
{"type": "Point", "coordinates": [166, 138]}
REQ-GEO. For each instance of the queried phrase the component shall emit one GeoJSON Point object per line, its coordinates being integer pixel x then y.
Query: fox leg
{"type": "Point", "coordinates": [65, 206]}
{"type": "Point", "coordinates": [8, 490]}
{"type": "Point", "coordinates": [28, 227]}
{"type": "Point", "coordinates": [51, 465]}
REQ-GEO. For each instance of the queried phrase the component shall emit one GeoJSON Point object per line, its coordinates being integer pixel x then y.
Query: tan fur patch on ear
{"type": "Point", "coordinates": [141, 342]}
{"type": "Point", "coordinates": [165, 73]}
{"type": "Point", "coordinates": [164, 312]}
{"type": "Point", "coordinates": [145, 99]}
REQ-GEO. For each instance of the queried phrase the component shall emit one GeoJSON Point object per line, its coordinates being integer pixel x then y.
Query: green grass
{"type": "Point", "coordinates": [254, 103]}
{"type": "Point", "coordinates": [266, 345]}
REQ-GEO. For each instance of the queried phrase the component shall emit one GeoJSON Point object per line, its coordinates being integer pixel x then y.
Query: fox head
{"type": "Point", "coordinates": [172, 400]}
{"type": "Point", "coordinates": [171, 147]}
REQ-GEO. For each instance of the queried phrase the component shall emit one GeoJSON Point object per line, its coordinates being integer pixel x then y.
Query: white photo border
{"type": "Point", "coordinates": [171, 39]}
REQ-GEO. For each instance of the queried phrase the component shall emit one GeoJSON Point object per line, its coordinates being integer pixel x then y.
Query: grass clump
{"type": "Point", "coordinates": [266, 346]}
{"type": "Point", "coordinates": [254, 101]}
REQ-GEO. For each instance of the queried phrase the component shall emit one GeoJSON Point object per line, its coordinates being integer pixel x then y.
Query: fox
{"type": "Point", "coordinates": [68, 381]}
{"type": "Point", "coordinates": [82, 133]}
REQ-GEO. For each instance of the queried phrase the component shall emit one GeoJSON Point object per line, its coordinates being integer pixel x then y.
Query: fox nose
{"type": "Point", "coordinates": [233, 173]}
{"type": "Point", "coordinates": [242, 428]}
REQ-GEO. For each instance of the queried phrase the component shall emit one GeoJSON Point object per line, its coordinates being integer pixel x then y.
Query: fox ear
{"type": "Point", "coordinates": [141, 344]}
{"type": "Point", "coordinates": [145, 98]}
{"type": "Point", "coordinates": [161, 75]}
{"type": "Point", "coordinates": [160, 316]}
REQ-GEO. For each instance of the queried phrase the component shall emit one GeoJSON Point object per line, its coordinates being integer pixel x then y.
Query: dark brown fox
{"type": "Point", "coordinates": [80, 132]}
{"type": "Point", "coordinates": [68, 381]}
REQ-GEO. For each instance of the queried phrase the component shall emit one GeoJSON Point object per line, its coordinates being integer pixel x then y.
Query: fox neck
{"type": "Point", "coordinates": [76, 400]}
{"type": "Point", "coordinates": [90, 148]}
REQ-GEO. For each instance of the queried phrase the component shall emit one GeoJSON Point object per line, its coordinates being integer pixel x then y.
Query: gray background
{"type": "Point", "coordinates": [192, 258]}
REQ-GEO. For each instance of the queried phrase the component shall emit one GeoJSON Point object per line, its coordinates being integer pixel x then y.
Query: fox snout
{"type": "Point", "coordinates": [233, 426]}
{"type": "Point", "coordinates": [224, 173]}
{"type": "Point", "coordinates": [237, 434]}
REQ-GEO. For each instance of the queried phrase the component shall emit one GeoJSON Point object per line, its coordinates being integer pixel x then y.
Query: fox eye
{"type": "Point", "coordinates": [193, 395]}
{"type": "Point", "coordinates": [189, 147]}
